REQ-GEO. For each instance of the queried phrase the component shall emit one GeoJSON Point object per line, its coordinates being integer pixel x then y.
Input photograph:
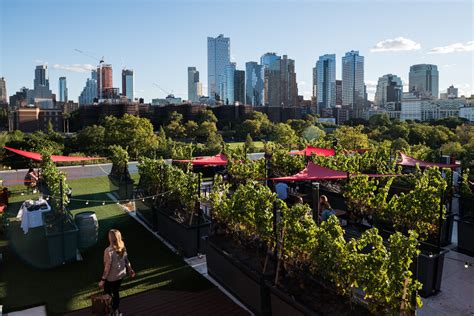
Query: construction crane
{"type": "Point", "coordinates": [168, 93]}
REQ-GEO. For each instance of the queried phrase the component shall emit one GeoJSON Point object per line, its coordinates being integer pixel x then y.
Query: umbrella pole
{"type": "Point", "coordinates": [315, 191]}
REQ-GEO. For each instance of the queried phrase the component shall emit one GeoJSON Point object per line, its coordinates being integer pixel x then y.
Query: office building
{"type": "Point", "coordinates": [452, 92]}
{"type": "Point", "coordinates": [254, 83]}
{"type": "Point", "coordinates": [338, 92]}
{"type": "Point", "coordinates": [268, 58]}
{"type": "Point", "coordinates": [41, 77]}
{"type": "Point", "coordinates": [389, 89]}
{"type": "Point", "coordinates": [281, 89]}
{"type": "Point", "coordinates": [62, 89]}
{"type": "Point", "coordinates": [128, 84]}
{"type": "Point", "coordinates": [89, 92]}
{"type": "Point", "coordinates": [104, 80]}
{"type": "Point", "coordinates": [239, 86]}
{"type": "Point", "coordinates": [218, 57]}
{"type": "Point", "coordinates": [227, 87]}
{"type": "Point", "coordinates": [423, 80]}
{"type": "Point", "coordinates": [326, 82]}
{"type": "Point", "coordinates": [194, 86]}
{"type": "Point", "coordinates": [3, 90]}
{"type": "Point", "coordinates": [353, 87]}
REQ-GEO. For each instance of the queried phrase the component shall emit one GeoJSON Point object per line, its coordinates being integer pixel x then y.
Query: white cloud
{"type": "Point", "coordinates": [453, 48]}
{"type": "Point", "coordinates": [449, 65]}
{"type": "Point", "coordinates": [395, 45]}
{"type": "Point", "coordinates": [371, 86]}
{"type": "Point", "coordinates": [74, 67]}
{"type": "Point", "coordinates": [464, 89]}
{"type": "Point", "coordinates": [301, 83]}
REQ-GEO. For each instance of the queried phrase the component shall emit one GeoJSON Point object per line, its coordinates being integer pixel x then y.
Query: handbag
{"type": "Point", "coordinates": [101, 304]}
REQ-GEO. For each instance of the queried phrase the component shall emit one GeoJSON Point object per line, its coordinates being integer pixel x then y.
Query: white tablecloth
{"type": "Point", "coordinates": [31, 219]}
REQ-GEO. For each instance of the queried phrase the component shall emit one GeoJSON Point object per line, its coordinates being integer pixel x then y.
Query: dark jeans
{"type": "Point", "coordinates": [113, 288]}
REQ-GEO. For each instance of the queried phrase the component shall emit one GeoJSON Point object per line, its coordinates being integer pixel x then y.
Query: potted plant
{"type": "Point", "coordinates": [175, 211]}
{"type": "Point", "coordinates": [466, 216]}
{"type": "Point", "coordinates": [119, 177]}
{"type": "Point", "coordinates": [60, 229]}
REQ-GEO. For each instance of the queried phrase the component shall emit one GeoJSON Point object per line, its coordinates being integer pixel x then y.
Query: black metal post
{"type": "Point", "coordinates": [315, 196]}
{"type": "Point", "coordinates": [63, 215]}
{"type": "Point", "coordinates": [440, 221]}
{"type": "Point", "coordinates": [198, 205]}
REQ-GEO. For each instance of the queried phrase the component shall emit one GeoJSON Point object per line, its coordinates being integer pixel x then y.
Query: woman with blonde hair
{"type": "Point", "coordinates": [116, 266]}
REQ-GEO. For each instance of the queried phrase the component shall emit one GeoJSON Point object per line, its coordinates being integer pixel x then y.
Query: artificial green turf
{"type": "Point", "coordinates": [258, 145]}
{"type": "Point", "coordinates": [69, 287]}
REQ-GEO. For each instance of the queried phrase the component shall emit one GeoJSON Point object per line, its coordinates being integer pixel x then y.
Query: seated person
{"type": "Point", "coordinates": [3, 200]}
{"type": "Point", "coordinates": [281, 189]}
{"type": "Point", "coordinates": [325, 208]}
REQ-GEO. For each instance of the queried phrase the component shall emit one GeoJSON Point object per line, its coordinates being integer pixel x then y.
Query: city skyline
{"type": "Point", "coordinates": [419, 39]}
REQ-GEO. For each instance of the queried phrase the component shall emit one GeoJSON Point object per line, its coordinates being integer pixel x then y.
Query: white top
{"type": "Point", "coordinates": [281, 189]}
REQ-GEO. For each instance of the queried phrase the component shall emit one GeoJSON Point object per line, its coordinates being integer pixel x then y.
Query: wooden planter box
{"type": "Point", "coordinates": [246, 285]}
{"type": "Point", "coordinates": [186, 239]}
{"type": "Point", "coordinates": [466, 235]}
{"type": "Point", "coordinates": [430, 269]}
{"type": "Point", "coordinates": [62, 245]}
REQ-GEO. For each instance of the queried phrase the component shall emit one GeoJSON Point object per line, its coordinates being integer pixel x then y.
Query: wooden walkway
{"type": "Point", "coordinates": [160, 302]}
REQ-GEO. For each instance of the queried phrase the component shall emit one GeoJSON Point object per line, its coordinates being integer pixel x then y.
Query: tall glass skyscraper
{"type": "Point", "coordinates": [193, 84]}
{"type": "Point", "coordinates": [89, 93]}
{"type": "Point", "coordinates": [218, 57]}
{"type": "Point", "coordinates": [326, 81]}
{"type": "Point", "coordinates": [239, 86]}
{"type": "Point", "coordinates": [3, 90]}
{"type": "Point", "coordinates": [353, 87]}
{"type": "Point", "coordinates": [62, 89]}
{"type": "Point", "coordinates": [254, 83]}
{"type": "Point", "coordinates": [229, 86]}
{"type": "Point", "coordinates": [41, 77]}
{"type": "Point", "coordinates": [389, 89]}
{"type": "Point", "coordinates": [423, 80]}
{"type": "Point", "coordinates": [267, 59]}
{"type": "Point", "coordinates": [128, 83]}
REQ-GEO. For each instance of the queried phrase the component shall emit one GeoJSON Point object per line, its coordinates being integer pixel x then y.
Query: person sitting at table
{"type": "Point", "coordinates": [4, 200]}
{"type": "Point", "coordinates": [281, 189]}
{"type": "Point", "coordinates": [31, 180]}
{"type": "Point", "coordinates": [325, 208]}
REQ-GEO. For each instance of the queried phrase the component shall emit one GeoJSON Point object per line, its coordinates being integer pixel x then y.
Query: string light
{"type": "Point", "coordinates": [103, 203]}
{"type": "Point", "coordinates": [466, 265]}
{"type": "Point", "coordinates": [87, 202]}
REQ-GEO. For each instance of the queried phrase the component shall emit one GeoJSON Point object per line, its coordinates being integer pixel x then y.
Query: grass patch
{"type": "Point", "coordinates": [258, 145]}
{"type": "Point", "coordinates": [69, 287]}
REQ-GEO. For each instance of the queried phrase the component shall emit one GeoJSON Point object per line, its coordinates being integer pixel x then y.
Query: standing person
{"type": "Point", "coordinates": [325, 208]}
{"type": "Point", "coordinates": [116, 265]}
{"type": "Point", "coordinates": [31, 179]}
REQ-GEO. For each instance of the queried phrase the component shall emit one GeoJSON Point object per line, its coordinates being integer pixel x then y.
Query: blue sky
{"type": "Point", "coordinates": [160, 39]}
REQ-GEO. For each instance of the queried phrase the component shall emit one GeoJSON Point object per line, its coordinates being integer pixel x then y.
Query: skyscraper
{"type": "Point", "coordinates": [128, 84]}
{"type": "Point", "coordinates": [218, 57]}
{"type": "Point", "coordinates": [353, 87]}
{"type": "Point", "coordinates": [228, 85]}
{"type": "Point", "coordinates": [41, 77]}
{"type": "Point", "coordinates": [239, 86]}
{"type": "Point", "coordinates": [452, 92]}
{"type": "Point", "coordinates": [3, 90]}
{"type": "Point", "coordinates": [62, 89]}
{"type": "Point", "coordinates": [89, 93]}
{"type": "Point", "coordinates": [389, 89]}
{"type": "Point", "coordinates": [326, 81]}
{"type": "Point", "coordinates": [338, 92]}
{"type": "Point", "coordinates": [104, 79]}
{"type": "Point", "coordinates": [254, 83]}
{"type": "Point", "coordinates": [193, 85]}
{"type": "Point", "coordinates": [268, 58]}
{"type": "Point", "coordinates": [423, 81]}
{"type": "Point", "coordinates": [280, 83]}
{"type": "Point", "coordinates": [266, 61]}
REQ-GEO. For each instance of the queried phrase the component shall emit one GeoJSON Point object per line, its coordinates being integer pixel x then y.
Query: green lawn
{"type": "Point", "coordinates": [69, 287]}
{"type": "Point", "coordinates": [257, 144]}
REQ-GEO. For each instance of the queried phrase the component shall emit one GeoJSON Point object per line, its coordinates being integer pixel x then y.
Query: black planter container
{"type": "Point", "coordinates": [186, 239]}
{"type": "Point", "coordinates": [247, 285]}
{"type": "Point", "coordinates": [122, 186]}
{"type": "Point", "coordinates": [466, 235]}
{"type": "Point", "coordinates": [62, 242]}
{"type": "Point", "coordinates": [282, 304]}
{"type": "Point", "coordinates": [430, 269]}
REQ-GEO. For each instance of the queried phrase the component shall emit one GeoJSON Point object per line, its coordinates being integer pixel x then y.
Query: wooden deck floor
{"type": "Point", "coordinates": [159, 302]}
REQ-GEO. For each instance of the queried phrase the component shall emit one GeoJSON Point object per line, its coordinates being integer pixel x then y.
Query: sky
{"type": "Point", "coordinates": [160, 39]}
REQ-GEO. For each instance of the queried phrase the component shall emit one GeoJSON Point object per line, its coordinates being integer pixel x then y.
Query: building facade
{"type": "Point", "coordinates": [194, 86]}
{"type": "Point", "coordinates": [41, 77]}
{"type": "Point", "coordinates": [353, 87]}
{"type": "Point", "coordinates": [228, 86]}
{"type": "Point", "coordinates": [414, 107]}
{"type": "Point", "coordinates": [423, 80]}
{"type": "Point", "coordinates": [218, 57]}
{"type": "Point", "coordinates": [389, 89]}
{"type": "Point", "coordinates": [3, 90]}
{"type": "Point", "coordinates": [239, 86]}
{"type": "Point", "coordinates": [326, 82]}
{"type": "Point", "coordinates": [128, 84]}
{"type": "Point", "coordinates": [62, 89]}
{"type": "Point", "coordinates": [254, 83]}
{"type": "Point", "coordinates": [338, 92]}
{"type": "Point", "coordinates": [281, 89]}
{"type": "Point", "coordinates": [104, 80]}
{"type": "Point", "coordinates": [89, 92]}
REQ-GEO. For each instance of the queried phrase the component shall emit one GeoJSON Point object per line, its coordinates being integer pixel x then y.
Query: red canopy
{"type": "Point", "coordinates": [37, 156]}
{"type": "Point", "coordinates": [309, 150]}
{"type": "Point", "coordinates": [408, 161]}
{"type": "Point", "coordinates": [217, 160]}
{"type": "Point", "coordinates": [314, 172]}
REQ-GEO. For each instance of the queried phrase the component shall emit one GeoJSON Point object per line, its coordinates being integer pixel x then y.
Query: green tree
{"type": "Point", "coordinates": [206, 115]}
{"type": "Point", "coordinates": [91, 139]}
{"type": "Point", "coordinates": [284, 135]}
{"type": "Point", "coordinates": [351, 137]}
{"type": "Point", "coordinates": [452, 148]}
{"type": "Point", "coordinates": [249, 145]}
{"type": "Point", "coordinates": [313, 133]}
{"type": "Point", "coordinates": [205, 130]}
{"type": "Point", "coordinates": [379, 120]}
{"type": "Point", "coordinates": [191, 129]}
{"type": "Point", "coordinates": [175, 128]}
